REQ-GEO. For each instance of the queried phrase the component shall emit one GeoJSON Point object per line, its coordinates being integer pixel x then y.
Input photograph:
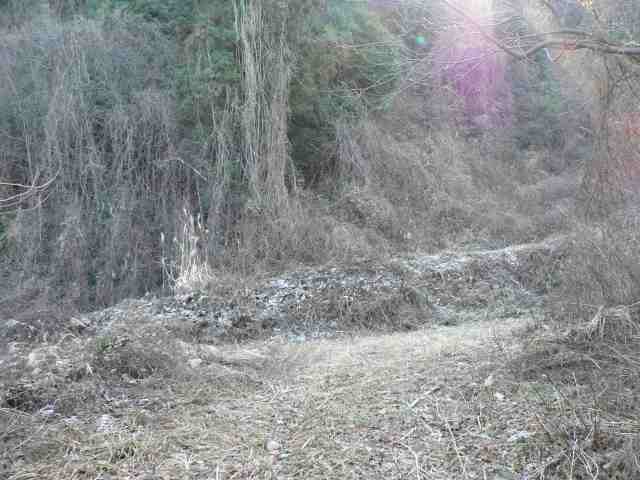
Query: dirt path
{"type": "Point", "coordinates": [410, 369]}
{"type": "Point", "coordinates": [392, 406]}
{"type": "Point", "coordinates": [415, 405]}
{"type": "Point", "coordinates": [374, 370]}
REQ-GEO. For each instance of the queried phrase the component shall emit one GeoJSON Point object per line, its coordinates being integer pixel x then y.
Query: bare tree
{"type": "Point", "coordinates": [67, 8]}
{"type": "Point", "coordinates": [25, 193]}
{"type": "Point", "coordinates": [564, 38]}
{"type": "Point", "coordinates": [609, 77]}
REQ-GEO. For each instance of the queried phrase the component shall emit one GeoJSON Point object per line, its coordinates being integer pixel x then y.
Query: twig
{"type": "Point", "coordinates": [416, 458]}
{"type": "Point", "coordinates": [588, 41]}
{"type": "Point", "coordinates": [453, 440]}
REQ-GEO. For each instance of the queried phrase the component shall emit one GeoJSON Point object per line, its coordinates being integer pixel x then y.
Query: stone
{"type": "Point", "coordinates": [273, 446]}
{"type": "Point", "coordinates": [13, 330]}
{"type": "Point", "coordinates": [519, 436]}
{"type": "Point", "coordinates": [195, 362]}
{"type": "Point", "coordinates": [77, 325]}
{"type": "Point", "coordinates": [489, 381]}
{"type": "Point", "coordinates": [105, 424]}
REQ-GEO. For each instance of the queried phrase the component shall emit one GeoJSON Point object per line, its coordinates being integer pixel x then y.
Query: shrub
{"type": "Point", "coordinates": [97, 114]}
{"type": "Point", "coordinates": [13, 13]}
{"type": "Point", "coordinates": [537, 104]}
{"type": "Point", "coordinates": [601, 268]}
{"type": "Point", "coordinates": [348, 63]}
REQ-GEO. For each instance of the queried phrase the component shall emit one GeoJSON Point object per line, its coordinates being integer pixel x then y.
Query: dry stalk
{"type": "Point", "coordinates": [445, 420]}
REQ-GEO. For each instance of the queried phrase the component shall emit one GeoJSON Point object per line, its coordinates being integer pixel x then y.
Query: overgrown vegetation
{"type": "Point", "coordinates": [167, 146]}
{"type": "Point", "coordinates": [145, 108]}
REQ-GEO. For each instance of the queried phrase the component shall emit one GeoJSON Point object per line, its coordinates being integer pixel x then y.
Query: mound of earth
{"type": "Point", "coordinates": [400, 294]}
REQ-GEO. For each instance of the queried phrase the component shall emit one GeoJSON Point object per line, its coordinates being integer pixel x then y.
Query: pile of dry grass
{"type": "Point", "coordinates": [377, 407]}
{"type": "Point", "coordinates": [586, 357]}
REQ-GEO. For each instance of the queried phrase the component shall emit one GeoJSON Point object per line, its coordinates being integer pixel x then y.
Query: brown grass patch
{"type": "Point", "coordinates": [394, 406]}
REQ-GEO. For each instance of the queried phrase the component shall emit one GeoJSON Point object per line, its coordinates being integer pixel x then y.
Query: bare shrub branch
{"type": "Point", "coordinates": [582, 41]}
{"type": "Point", "coordinates": [25, 193]}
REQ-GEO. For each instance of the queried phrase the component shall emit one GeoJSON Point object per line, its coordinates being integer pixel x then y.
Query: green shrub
{"type": "Point", "coordinates": [346, 61]}
{"type": "Point", "coordinates": [537, 105]}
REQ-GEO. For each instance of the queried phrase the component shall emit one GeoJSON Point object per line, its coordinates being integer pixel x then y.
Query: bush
{"type": "Point", "coordinates": [537, 105]}
{"type": "Point", "coordinates": [601, 268]}
{"type": "Point", "coordinates": [13, 13]}
{"type": "Point", "coordinates": [97, 114]}
{"type": "Point", "coordinates": [348, 63]}
{"type": "Point", "coordinates": [129, 138]}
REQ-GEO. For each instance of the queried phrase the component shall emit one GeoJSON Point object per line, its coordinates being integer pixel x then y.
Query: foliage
{"type": "Point", "coordinates": [345, 59]}
{"type": "Point", "coordinates": [133, 136]}
{"type": "Point", "coordinates": [349, 63]}
{"type": "Point", "coordinates": [168, 13]}
{"type": "Point", "coordinates": [537, 104]}
{"type": "Point", "coordinates": [95, 112]}
{"type": "Point", "coordinates": [14, 13]}
{"type": "Point", "coordinates": [207, 68]}
{"type": "Point", "coordinates": [346, 62]}
{"type": "Point", "coordinates": [146, 107]}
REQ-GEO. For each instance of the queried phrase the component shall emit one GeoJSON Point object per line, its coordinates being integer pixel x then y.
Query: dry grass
{"type": "Point", "coordinates": [583, 364]}
{"type": "Point", "coordinates": [96, 120]}
{"type": "Point", "coordinates": [112, 140]}
{"type": "Point", "coordinates": [92, 117]}
{"type": "Point", "coordinates": [446, 402]}
{"type": "Point", "coordinates": [438, 187]}
{"type": "Point", "coordinates": [583, 393]}
{"type": "Point", "coordinates": [398, 406]}
{"type": "Point", "coordinates": [600, 268]}
{"type": "Point", "coordinates": [187, 269]}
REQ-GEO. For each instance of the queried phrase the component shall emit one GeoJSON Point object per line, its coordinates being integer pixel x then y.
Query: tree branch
{"type": "Point", "coordinates": [550, 6]}
{"type": "Point", "coordinates": [28, 192]}
{"type": "Point", "coordinates": [588, 42]}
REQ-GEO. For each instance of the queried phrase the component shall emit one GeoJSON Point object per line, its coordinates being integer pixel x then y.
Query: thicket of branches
{"type": "Point", "coordinates": [149, 144]}
{"type": "Point", "coordinates": [122, 120]}
{"type": "Point", "coordinates": [292, 132]}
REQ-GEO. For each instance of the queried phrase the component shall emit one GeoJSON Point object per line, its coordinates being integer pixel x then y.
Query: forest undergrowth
{"type": "Point", "coordinates": [166, 148]}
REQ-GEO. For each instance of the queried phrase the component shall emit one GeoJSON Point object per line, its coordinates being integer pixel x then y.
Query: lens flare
{"type": "Point", "coordinates": [467, 62]}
